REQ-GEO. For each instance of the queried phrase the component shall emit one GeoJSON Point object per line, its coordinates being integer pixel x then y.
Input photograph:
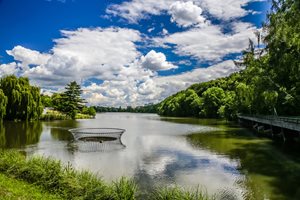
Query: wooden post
{"type": "Point", "coordinates": [282, 134]}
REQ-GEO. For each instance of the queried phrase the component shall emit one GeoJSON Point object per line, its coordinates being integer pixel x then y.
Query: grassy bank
{"type": "Point", "coordinates": [83, 116]}
{"type": "Point", "coordinates": [56, 115]}
{"type": "Point", "coordinates": [44, 176]}
{"type": "Point", "coordinates": [11, 188]}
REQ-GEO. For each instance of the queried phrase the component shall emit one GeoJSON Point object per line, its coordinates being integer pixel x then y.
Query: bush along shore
{"type": "Point", "coordinates": [46, 176]}
{"type": "Point", "coordinates": [56, 115]}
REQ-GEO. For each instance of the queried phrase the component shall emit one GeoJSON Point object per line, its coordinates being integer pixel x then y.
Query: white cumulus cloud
{"type": "Point", "coordinates": [156, 61]}
{"type": "Point", "coordinates": [79, 55]}
{"type": "Point", "coordinates": [28, 56]}
{"type": "Point", "coordinates": [227, 9]}
{"type": "Point", "coordinates": [186, 14]}
{"type": "Point", "coordinates": [209, 43]}
{"type": "Point", "coordinates": [135, 91]}
{"type": "Point", "coordinates": [135, 10]}
{"type": "Point", "coordinates": [112, 55]}
{"type": "Point", "coordinates": [164, 31]}
{"type": "Point", "coordinates": [9, 69]}
{"type": "Point", "coordinates": [138, 9]}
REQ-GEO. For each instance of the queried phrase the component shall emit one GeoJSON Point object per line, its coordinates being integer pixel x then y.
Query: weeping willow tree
{"type": "Point", "coordinates": [3, 103]}
{"type": "Point", "coordinates": [23, 100]}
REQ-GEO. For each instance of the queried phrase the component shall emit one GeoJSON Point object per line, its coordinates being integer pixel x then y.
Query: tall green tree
{"type": "Point", "coordinates": [71, 102]}
{"type": "Point", "coordinates": [57, 101]}
{"type": "Point", "coordinates": [185, 103]}
{"type": "Point", "coordinates": [213, 99]}
{"type": "Point", "coordinates": [23, 100]}
{"type": "Point", "coordinates": [283, 45]}
{"type": "Point", "coordinates": [229, 109]}
{"type": "Point", "coordinates": [46, 100]}
{"type": "Point", "coordinates": [88, 110]}
{"type": "Point", "coordinates": [244, 98]}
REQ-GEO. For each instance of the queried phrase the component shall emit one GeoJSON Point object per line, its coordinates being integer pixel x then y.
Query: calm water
{"type": "Point", "coordinates": [219, 157]}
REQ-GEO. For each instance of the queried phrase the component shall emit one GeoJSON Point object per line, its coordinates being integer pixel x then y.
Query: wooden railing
{"type": "Point", "coordinates": [294, 120]}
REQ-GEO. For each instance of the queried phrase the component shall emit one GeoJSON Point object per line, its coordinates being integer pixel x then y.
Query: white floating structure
{"type": "Point", "coordinates": [97, 139]}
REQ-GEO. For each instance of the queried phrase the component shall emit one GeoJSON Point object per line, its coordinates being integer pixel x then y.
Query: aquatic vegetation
{"type": "Point", "coordinates": [176, 193]}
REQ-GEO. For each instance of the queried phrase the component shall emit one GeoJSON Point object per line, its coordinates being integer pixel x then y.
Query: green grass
{"type": "Point", "coordinates": [56, 115]}
{"type": "Point", "coordinates": [39, 174]}
{"type": "Point", "coordinates": [124, 189]}
{"type": "Point", "coordinates": [176, 193]}
{"type": "Point", "coordinates": [11, 188]}
{"type": "Point", "coordinates": [83, 116]}
{"type": "Point", "coordinates": [61, 180]}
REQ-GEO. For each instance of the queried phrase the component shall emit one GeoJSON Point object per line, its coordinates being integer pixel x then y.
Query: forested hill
{"type": "Point", "coordinates": [268, 84]}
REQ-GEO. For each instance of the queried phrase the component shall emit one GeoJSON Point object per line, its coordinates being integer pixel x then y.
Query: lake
{"type": "Point", "coordinates": [217, 156]}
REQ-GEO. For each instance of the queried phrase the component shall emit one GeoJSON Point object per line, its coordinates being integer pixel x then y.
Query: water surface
{"type": "Point", "coordinates": [221, 158]}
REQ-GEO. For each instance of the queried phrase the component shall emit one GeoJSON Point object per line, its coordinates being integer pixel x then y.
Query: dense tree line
{"type": "Point", "coordinates": [149, 108]}
{"type": "Point", "coordinates": [268, 84]}
{"type": "Point", "coordinates": [19, 100]}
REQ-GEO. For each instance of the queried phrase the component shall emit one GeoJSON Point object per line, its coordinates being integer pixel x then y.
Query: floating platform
{"type": "Point", "coordinates": [97, 139]}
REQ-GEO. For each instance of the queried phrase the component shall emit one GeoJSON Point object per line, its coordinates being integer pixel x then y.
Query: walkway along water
{"type": "Point", "coordinates": [287, 128]}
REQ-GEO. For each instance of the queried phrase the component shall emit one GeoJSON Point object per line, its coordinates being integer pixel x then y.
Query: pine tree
{"type": "Point", "coordinates": [71, 99]}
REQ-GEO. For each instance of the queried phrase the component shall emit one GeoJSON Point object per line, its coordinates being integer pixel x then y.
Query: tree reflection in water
{"type": "Point", "coordinates": [19, 134]}
{"type": "Point", "coordinates": [272, 170]}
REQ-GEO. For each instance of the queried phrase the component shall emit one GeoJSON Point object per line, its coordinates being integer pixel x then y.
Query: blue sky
{"type": "Point", "coordinates": [125, 52]}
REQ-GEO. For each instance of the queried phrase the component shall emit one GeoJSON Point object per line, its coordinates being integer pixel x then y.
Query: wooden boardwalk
{"type": "Point", "coordinates": [290, 123]}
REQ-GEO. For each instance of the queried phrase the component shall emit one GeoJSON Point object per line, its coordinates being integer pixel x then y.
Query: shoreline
{"type": "Point", "coordinates": [46, 176]}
